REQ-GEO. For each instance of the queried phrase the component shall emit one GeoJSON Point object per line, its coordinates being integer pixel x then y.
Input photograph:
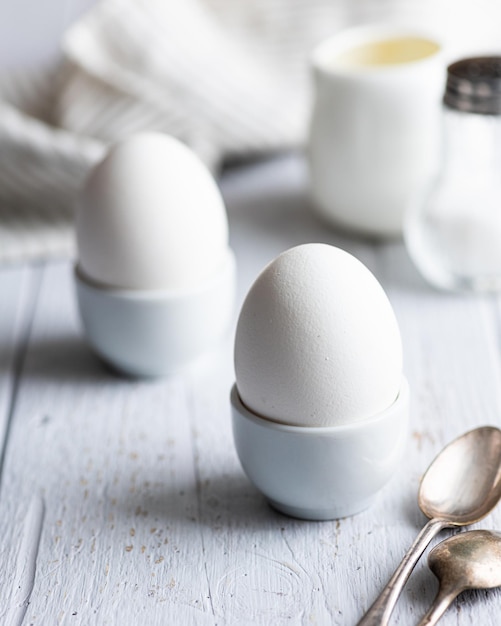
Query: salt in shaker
{"type": "Point", "coordinates": [453, 231]}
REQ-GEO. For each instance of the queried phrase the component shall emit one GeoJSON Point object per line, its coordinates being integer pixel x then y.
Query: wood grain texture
{"type": "Point", "coordinates": [18, 291]}
{"type": "Point", "coordinates": [123, 502]}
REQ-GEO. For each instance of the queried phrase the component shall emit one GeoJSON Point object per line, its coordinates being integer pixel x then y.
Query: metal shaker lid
{"type": "Point", "coordinates": [474, 85]}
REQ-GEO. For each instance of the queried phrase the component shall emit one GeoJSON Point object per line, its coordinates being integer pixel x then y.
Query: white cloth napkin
{"type": "Point", "coordinates": [229, 78]}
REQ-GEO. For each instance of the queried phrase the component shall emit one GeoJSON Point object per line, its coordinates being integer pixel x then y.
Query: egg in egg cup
{"type": "Point", "coordinates": [320, 406]}
{"type": "Point", "coordinates": [155, 276]}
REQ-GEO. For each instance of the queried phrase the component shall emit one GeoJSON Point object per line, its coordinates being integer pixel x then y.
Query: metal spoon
{"type": "Point", "coordinates": [470, 560]}
{"type": "Point", "coordinates": [461, 486]}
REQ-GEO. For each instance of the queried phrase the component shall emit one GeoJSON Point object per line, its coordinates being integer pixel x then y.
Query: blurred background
{"type": "Point", "coordinates": [229, 78]}
{"type": "Point", "coordinates": [31, 31]}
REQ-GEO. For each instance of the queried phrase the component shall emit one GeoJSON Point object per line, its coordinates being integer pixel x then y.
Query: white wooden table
{"type": "Point", "coordinates": [123, 502]}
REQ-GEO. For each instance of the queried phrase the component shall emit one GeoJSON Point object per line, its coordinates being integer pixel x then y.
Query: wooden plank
{"type": "Point", "coordinates": [105, 467]}
{"type": "Point", "coordinates": [18, 289]}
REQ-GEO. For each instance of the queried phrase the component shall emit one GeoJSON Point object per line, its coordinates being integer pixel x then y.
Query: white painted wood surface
{"type": "Point", "coordinates": [123, 502]}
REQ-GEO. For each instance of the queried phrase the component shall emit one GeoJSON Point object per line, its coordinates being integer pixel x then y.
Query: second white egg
{"type": "Point", "coordinates": [150, 216]}
{"type": "Point", "coordinates": [155, 275]}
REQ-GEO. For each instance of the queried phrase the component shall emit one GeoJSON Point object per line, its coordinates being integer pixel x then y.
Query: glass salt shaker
{"type": "Point", "coordinates": [453, 232]}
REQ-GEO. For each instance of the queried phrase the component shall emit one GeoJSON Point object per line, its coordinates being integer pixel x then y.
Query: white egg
{"type": "Point", "coordinates": [317, 342]}
{"type": "Point", "coordinates": [151, 217]}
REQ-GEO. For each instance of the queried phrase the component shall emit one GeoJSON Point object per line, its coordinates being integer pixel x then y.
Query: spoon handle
{"type": "Point", "coordinates": [380, 611]}
{"type": "Point", "coordinates": [442, 601]}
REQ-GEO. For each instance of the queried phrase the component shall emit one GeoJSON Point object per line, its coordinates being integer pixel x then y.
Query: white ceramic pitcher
{"type": "Point", "coordinates": [375, 127]}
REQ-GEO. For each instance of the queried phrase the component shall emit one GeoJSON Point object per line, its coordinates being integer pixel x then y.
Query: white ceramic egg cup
{"type": "Point", "coordinates": [321, 473]}
{"type": "Point", "coordinates": [153, 333]}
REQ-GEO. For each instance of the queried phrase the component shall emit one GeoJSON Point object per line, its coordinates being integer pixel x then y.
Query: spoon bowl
{"type": "Point", "coordinates": [463, 483]}
{"type": "Point", "coordinates": [470, 560]}
{"type": "Point", "coordinates": [461, 486]}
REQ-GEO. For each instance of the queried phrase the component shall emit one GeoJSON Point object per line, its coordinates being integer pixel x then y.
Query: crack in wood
{"type": "Point", "coordinates": [27, 315]}
{"type": "Point", "coordinates": [198, 487]}
{"type": "Point", "coordinates": [24, 575]}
